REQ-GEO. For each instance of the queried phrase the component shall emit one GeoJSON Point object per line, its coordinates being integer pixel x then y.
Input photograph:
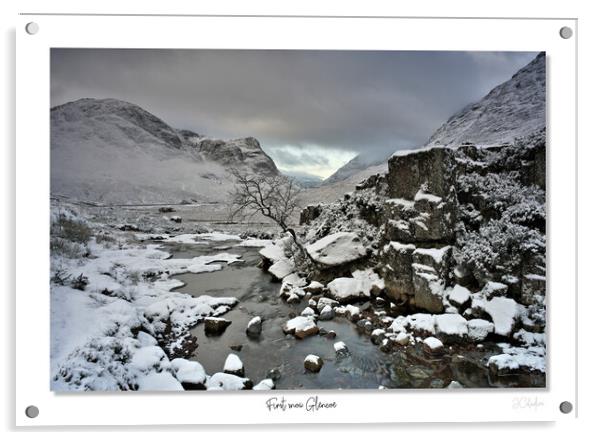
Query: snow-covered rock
{"type": "Point", "coordinates": [340, 348]}
{"type": "Point", "coordinates": [254, 327]}
{"type": "Point", "coordinates": [517, 358]}
{"type": "Point", "coordinates": [323, 302]}
{"type": "Point", "coordinates": [362, 285]}
{"type": "Point", "coordinates": [451, 325]}
{"type": "Point", "coordinates": [308, 311]}
{"type": "Point", "coordinates": [281, 268]}
{"type": "Point", "coordinates": [505, 313]}
{"type": "Point", "coordinates": [273, 252]}
{"type": "Point", "coordinates": [351, 312]}
{"type": "Point", "coordinates": [159, 382]}
{"type": "Point", "coordinates": [228, 382]}
{"type": "Point", "coordinates": [347, 290]}
{"type": "Point", "coordinates": [337, 249]}
{"type": "Point", "coordinates": [313, 363]}
{"type": "Point", "coordinates": [458, 295]}
{"type": "Point", "coordinates": [301, 327]}
{"type": "Point", "coordinates": [402, 338]}
{"type": "Point", "coordinates": [191, 374]}
{"type": "Point", "coordinates": [479, 329]}
{"type": "Point", "coordinates": [420, 323]}
{"type": "Point", "coordinates": [326, 314]}
{"type": "Point", "coordinates": [493, 288]}
{"type": "Point", "coordinates": [377, 336]}
{"type": "Point", "coordinates": [433, 345]}
{"type": "Point", "coordinates": [315, 287]}
{"type": "Point", "coordinates": [234, 365]}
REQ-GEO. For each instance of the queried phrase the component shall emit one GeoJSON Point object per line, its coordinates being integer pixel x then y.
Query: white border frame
{"type": "Point", "coordinates": [32, 213]}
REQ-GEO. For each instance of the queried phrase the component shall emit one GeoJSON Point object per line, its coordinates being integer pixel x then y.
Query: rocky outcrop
{"type": "Point", "coordinates": [458, 230]}
{"type": "Point", "coordinates": [430, 170]}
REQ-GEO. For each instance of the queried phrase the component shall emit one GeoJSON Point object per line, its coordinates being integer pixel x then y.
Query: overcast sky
{"type": "Point", "coordinates": [312, 111]}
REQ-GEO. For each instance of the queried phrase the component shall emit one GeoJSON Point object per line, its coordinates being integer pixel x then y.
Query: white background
{"type": "Point", "coordinates": [588, 162]}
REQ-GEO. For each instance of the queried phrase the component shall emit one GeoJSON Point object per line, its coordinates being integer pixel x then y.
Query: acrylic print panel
{"type": "Point", "coordinates": [237, 219]}
{"type": "Point", "coordinates": [294, 217]}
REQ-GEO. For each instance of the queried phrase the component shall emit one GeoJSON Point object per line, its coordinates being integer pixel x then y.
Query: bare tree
{"type": "Point", "coordinates": [274, 197]}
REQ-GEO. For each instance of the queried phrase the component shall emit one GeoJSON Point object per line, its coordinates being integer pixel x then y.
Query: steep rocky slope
{"type": "Point", "coordinates": [113, 152]}
{"type": "Point", "coordinates": [513, 109]}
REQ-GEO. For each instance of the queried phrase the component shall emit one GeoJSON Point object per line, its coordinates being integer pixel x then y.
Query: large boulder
{"type": "Point", "coordinates": [362, 285]}
{"type": "Point", "coordinates": [337, 249]}
{"type": "Point", "coordinates": [412, 170]}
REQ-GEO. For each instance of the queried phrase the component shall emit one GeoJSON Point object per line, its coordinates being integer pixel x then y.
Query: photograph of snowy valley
{"type": "Point", "coordinates": [297, 220]}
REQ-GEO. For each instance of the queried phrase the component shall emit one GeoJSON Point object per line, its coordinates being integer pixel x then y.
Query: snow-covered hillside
{"type": "Point", "coordinates": [513, 109]}
{"type": "Point", "coordinates": [112, 152]}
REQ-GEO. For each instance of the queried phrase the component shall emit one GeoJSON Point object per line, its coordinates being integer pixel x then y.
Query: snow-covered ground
{"type": "Point", "coordinates": [115, 323]}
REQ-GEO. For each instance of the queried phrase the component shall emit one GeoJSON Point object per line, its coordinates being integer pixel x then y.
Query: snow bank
{"type": "Point", "coordinates": [129, 288]}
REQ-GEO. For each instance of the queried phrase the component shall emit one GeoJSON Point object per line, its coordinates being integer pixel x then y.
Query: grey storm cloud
{"type": "Point", "coordinates": [318, 108]}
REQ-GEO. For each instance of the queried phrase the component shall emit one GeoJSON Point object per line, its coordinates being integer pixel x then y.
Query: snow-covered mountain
{"type": "Point", "coordinates": [359, 163]}
{"type": "Point", "coordinates": [515, 108]}
{"type": "Point", "coordinates": [109, 151]}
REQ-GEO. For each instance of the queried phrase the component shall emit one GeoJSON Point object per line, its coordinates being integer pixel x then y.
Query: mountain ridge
{"type": "Point", "coordinates": [116, 152]}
